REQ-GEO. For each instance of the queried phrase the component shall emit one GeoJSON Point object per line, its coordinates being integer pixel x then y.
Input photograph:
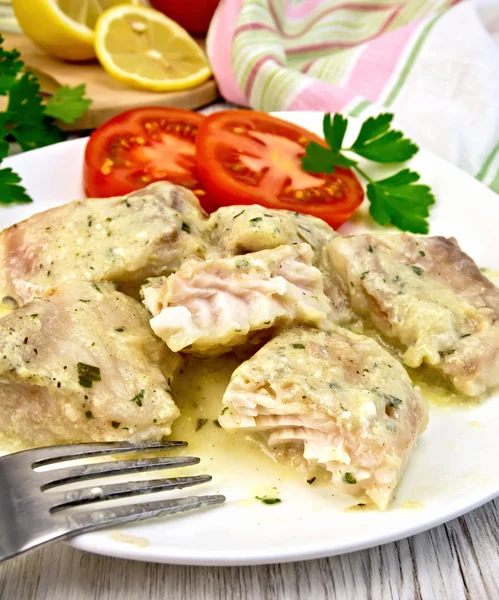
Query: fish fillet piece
{"type": "Point", "coordinates": [430, 298]}
{"type": "Point", "coordinates": [241, 229]}
{"type": "Point", "coordinates": [81, 364]}
{"type": "Point", "coordinates": [126, 240]}
{"type": "Point", "coordinates": [338, 399]}
{"type": "Point", "coordinates": [209, 307]}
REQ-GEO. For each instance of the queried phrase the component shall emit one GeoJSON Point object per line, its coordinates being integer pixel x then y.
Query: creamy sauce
{"type": "Point", "coordinates": [434, 386]}
{"type": "Point", "coordinates": [411, 505]}
{"type": "Point", "coordinates": [436, 389]}
{"type": "Point", "coordinates": [492, 274]}
{"type": "Point", "coordinates": [134, 540]}
{"type": "Point", "coordinates": [4, 310]}
{"type": "Point", "coordinates": [198, 392]}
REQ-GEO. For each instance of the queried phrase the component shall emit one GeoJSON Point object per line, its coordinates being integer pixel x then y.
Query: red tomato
{"type": "Point", "coordinates": [140, 146]}
{"type": "Point", "coordinates": [195, 16]}
{"type": "Point", "coordinates": [248, 157]}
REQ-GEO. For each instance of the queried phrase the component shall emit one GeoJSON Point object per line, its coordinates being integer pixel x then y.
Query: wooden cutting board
{"type": "Point", "coordinates": [109, 97]}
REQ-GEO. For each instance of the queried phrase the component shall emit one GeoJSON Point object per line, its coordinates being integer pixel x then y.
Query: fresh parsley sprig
{"type": "Point", "coordinates": [26, 120]}
{"type": "Point", "coordinates": [396, 200]}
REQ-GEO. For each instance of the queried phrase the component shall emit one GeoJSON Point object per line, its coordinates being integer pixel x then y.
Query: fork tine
{"type": "Point", "coordinates": [88, 521]}
{"type": "Point", "coordinates": [71, 498]}
{"type": "Point", "coordinates": [50, 479]}
{"type": "Point", "coordinates": [55, 454]}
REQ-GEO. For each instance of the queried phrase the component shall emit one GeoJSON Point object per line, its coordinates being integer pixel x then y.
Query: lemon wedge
{"type": "Point", "coordinates": [64, 28]}
{"type": "Point", "coordinates": [144, 49]}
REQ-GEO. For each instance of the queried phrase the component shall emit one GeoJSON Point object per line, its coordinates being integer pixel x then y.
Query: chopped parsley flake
{"type": "Point", "coordinates": [186, 227]}
{"type": "Point", "coordinates": [418, 270]}
{"type": "Point", "coordinates": [115, 424]}
{"type": "Point", "coordinates": [256, 220]}
{"type": "Point", "coordinates": [87, 374]}
{"type": "Point", "coordinates": [393, 400]}
{"type": "Point", "coordinates": [95, 286]}
{"type": "Point", "coordinates": [224, 410]}
{"type": "Point", "coordinates": [364, 275]}
{"type": "Point", "coordinates": [269, 501]}
{"type": "Point", "coordinates": [201, 423]}
{"type": "Point", "coordinates": [119, 329]}
{"type": "Point", "coordinates": [138, 398]}
{"type": "Point", "coordinates": [89, 414]}
{"type": "Point", "coordinates": [349, 478]}
{"type": "Point", "coordinates": [298, 346]}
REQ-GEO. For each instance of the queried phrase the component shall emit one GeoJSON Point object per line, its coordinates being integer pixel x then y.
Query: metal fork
{"type": "Point", "coordinates": [30, 517]}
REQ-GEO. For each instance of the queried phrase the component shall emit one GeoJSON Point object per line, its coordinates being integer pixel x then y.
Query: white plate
{"type": "Point", "coordinates": [453, 470]}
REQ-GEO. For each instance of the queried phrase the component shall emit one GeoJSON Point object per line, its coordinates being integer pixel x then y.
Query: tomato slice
{"type": "Point", "coordinates": [140, 146]}
{"type": "Point", "coordinates": [248, 157]}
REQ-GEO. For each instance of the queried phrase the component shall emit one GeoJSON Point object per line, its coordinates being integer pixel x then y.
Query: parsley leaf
{"type": "Point", "coordinates": [319, 159]}
{"type": "Point", "coordinates": [4, 148]}
{"type": "Point", "coordinates": [67, 104]}
{"type": "Point", "coordinates": [26, 120]}
{"type": "Point", "coordinates": [10, 190]}
{"type": "Point", "coordinates": [10, 66]}
{"type": "Point", "coordinates": [397, 200]}
{"type": "Point", "coordinates": [26, 116]}
{"type": "Point", "coordinates": [334, 132]}
{"type": "Point", "coordinates": [377, 142]}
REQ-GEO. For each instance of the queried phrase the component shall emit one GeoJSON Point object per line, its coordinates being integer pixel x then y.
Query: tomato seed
{"type": "Point", "coordinates": [106, 167]}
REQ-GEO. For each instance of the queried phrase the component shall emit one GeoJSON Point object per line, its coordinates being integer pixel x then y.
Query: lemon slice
{"type": "Point", "coordinates": [142, 48]}
{"type": "Point", "coordinates": [64, 28]}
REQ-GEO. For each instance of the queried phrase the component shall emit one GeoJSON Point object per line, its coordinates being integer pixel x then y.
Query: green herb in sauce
{"type": "Point", "coordinates": [418, 270]}
{"type": "Point", "coordinates": [138, 398]}
{"type": "Point", "coordinates": [186, 227]}
{"type": "Point", "coordinates": [268, 501]}
{"type": "Point", "coordinates": [201, 423]}
{"type": "Point", "coordinates": [87, 374]}
{"type": "Point", "coordinates": [349, 478]}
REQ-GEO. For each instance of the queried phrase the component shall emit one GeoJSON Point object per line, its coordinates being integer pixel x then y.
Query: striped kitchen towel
{"type": "Point", "coordinates": [435, 63]}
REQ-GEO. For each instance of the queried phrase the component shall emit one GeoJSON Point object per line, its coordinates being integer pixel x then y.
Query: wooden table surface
{"type": "Point", "coordinates": [456, 561]}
